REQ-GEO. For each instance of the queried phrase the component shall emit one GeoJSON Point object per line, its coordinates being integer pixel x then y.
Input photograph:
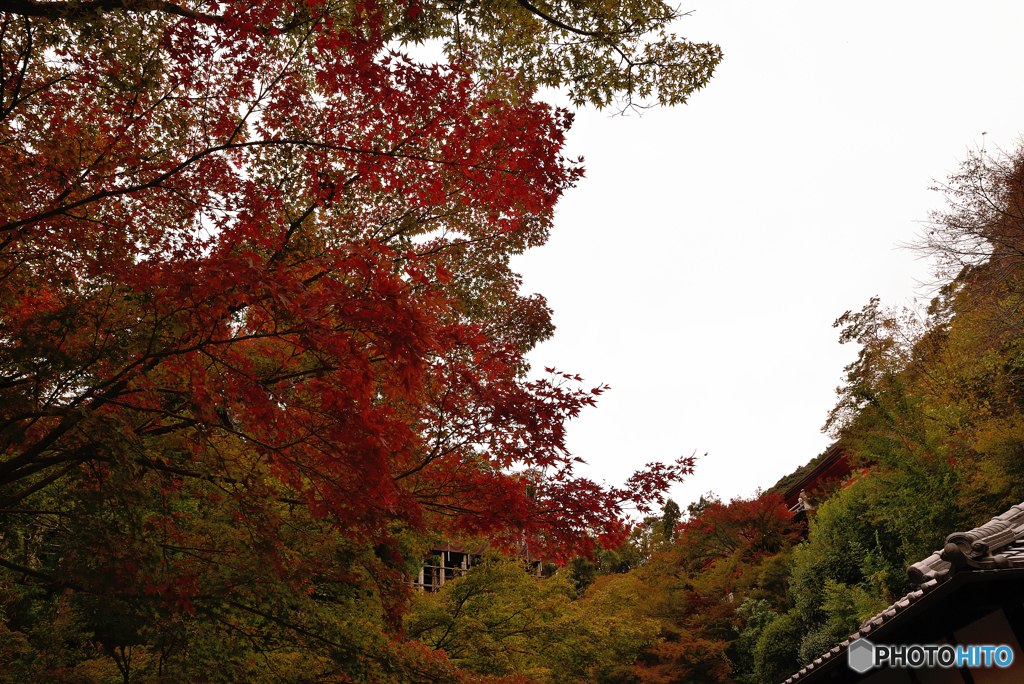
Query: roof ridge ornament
{"type": "Point", "coordinates": [976, 548]}
{"type": "Point", "coordinates": [996, 533]}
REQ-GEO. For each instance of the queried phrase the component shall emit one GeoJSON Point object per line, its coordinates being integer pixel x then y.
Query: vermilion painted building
{"type": "Point", "coordinates": [834, 468]}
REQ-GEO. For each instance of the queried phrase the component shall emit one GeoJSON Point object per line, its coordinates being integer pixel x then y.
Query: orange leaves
{"type": "Point", "coordinates": [686, 658]}
{"type": "Point", "coordinates": [750, 528]}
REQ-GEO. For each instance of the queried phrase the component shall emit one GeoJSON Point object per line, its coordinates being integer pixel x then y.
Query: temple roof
{"type": "Point", "coordinates": [996, 545]}
{"type": "Point", "coordinates": [833, 464]}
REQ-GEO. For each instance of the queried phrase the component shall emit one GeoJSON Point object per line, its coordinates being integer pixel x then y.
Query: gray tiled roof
{"type": "Point", "coordinates": [993, 545]}
{"type": "Point", "coordinates": [996, 545]}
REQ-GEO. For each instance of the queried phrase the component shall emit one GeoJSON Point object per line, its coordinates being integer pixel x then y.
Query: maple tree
{"type": "Point", "coordinates": [725, 554]}
{"type": "Point", "coordinates": [258, 328]}
{"type": "Point", "coordinates": [694, 584]}
{"type": "Point", "coordinates": [746, 529]}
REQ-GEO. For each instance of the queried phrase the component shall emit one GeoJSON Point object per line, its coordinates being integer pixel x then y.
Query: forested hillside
{"type": "Point", "coordinates": [740, 591]}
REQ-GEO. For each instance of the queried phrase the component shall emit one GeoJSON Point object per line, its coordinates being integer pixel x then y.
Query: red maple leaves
{"type": "Point", "coordinates": [260, 254]}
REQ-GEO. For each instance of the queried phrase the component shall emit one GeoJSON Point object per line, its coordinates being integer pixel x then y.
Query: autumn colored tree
{"type": "Point", "coordinates": [258, 329]}
{"type": "Point", "coordinates": [693, 586]}
{"type": "Point", "coordinates": [747, 529]}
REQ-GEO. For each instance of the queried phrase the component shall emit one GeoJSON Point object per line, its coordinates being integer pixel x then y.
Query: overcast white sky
{"type": "Point", "coordinates": [699, 266]}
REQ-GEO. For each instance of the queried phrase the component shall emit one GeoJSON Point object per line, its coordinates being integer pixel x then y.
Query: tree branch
{"type": "Point", "coordinates": [71, 10]}
{"type": "Point", "coordinates": [38, 485]}
{"type": "Point", "coordinates": [28, 571]}
{"type": "Point", "coordinates": [551, 20]}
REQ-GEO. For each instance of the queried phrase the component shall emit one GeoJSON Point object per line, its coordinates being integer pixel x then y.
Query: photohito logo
{"type": "Point", "coordinates": [864, 655]}
{"type": "Point", "coordinates": [861, 655]}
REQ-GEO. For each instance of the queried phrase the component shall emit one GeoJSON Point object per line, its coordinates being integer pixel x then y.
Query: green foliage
{"type": "Point", "coordinates": [581, 573]}
{"type": "Point", "coordinates": [772, 578]}
{"type": "Point", "coordinates": [844, 608]}
{"type": "Point", "coordinates": [670, 517]}
{"type": "Point", "coordinates": [695, 508]}
{"type": "Point", "coordinates": [253, 616]}
{"type": "Point", "coordinates": [758, 614]}
{"type": "Point", "coordinates": [487, 619]}
{"type": "Point", "coordinates": [653, 534]}
{"type": "Point", "coordinates": [603, 52]}
{"type": "Point", "coordinates": [775, 656]}
{"type": "Point", "coordinates": [848, 546]}
{"type": "Point", "coordinates": [499, 620]}
{"type": "Point", "coordinates": [601, 636]}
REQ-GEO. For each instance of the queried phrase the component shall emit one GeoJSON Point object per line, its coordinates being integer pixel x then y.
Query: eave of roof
{"type": "Point", "coordinates": [832, 454]}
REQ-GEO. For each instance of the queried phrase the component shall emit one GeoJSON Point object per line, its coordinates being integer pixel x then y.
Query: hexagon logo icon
{"type": "Point", "coordinates": [860, 656]}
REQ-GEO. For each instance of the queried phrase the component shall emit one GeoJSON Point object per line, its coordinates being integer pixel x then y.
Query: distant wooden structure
{"type": "Point", "coordinates": [452, 559]}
